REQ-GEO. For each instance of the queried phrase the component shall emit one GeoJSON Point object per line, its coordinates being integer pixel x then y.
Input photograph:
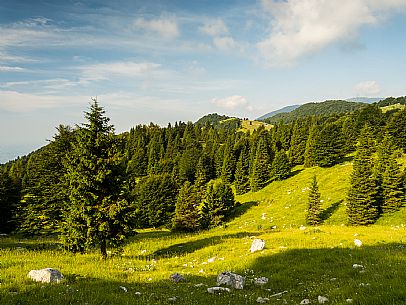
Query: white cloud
{"type": "Point", "coordinates": [214, 28]}
{"type": "Point", "coordinates": [304, 27]}
{"type": "Point", "coordinates": [165, 27]}
{"type": "Point", "coordinates": [225, 43]}
{"type": "Point", "coordinates": [367, 88]}
{"type": "Point", "coordinates": [232, 103]}
{"type": "Point", "coordinates": [124, 68]}
{"type": "Point", "coordinates": [11, 69]}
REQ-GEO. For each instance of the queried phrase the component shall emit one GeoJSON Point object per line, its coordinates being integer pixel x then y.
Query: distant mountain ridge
{"type": "Point", "coordinates": [282, 110]}
{"type": "Point", "coordinates": [366, 100]}
{"type": "Point", "coordinates": [322, 108]}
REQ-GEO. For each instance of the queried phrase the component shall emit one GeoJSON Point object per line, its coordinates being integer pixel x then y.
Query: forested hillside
{"type": "Point", "coordinates": [184, 176]}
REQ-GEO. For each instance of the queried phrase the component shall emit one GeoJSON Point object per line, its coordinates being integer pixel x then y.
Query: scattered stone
{"type": "Point", "coordinates": [357, 242]}
{"type": "Point", "coordinates": [123, 288]}
{"type": "Point", "coordinates": [177, 277]}
{"type": "Point", "coordinates": [262, 300]}
{"type": "Point", "coordinates": [302, 228]}
{"type": "Point", "coordinates": [305, 301]}
{"type": "Point", "coordinates": [348, 300]}
{"type": "Point", "coordinates": [218, 289]}
{"type": "Point", "coordinates": [257, 245]}
{"type": "Point", "coordinates": [199, 285]}
{"type": "Point", "coordinates": [322, 299]}
{"type": "Point", "coordinates": [263, 217]}
{"type": "Point", "coordinates": [172, 299]}
{"type": "Point", "coordinates": [261, 281]}
{"type": "Point", "coordinates": [137, 293]}
{"type": "Point", "coordinates": [273, 227]}
{"type": "Point", "coordinates": [47, 275]}
{"type": "Point", "coordinates": [333, 279]}
{"type": "Point", "coordinates": [211, 260]}
{"type": "Point", "coordinates": [278, 294]}
{"type": "Point", "coordinates": [231, 279]}
{"type": "Point", "coordinates": [356, 266]}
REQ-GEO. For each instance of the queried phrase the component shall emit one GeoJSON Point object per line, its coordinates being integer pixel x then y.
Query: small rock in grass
{"type": "Point", "coordinates": [261, 281]}
{"type": "Point", "coordinates": [231, 279]}
{"type": "Point", "coordinates": [305, 301]}
{"type": "Point", "coordinates": [262, 300]}
{"type": "Point", "coordinates": [356, 266]}
{"type": "Point", "coordinates": [211, 260]}
{"type": "Point", "coordinates": [177, 277]}
{"type": "Point", "coordinates": [47, 275]}
{"type": "Point", "coordinates": [137, 293]}
{"type": "Point", "coordinates": [257, 245]}
{"type": "Point", "coordinates": [357, 242]}
{"type": "Point", "coordinates": [172, 299]}
{"type": "Point", "coordinates": [123, 288]}
{"type": "Point", "coordinates": [348, 300]}
{"type": "Point", "coordinates": [218, 289]}
{"type": "Point", "coordinates": [302, 228]}
{"type": "Point", "coordinates": [199, 285]}
{"type": "Point", "coordinates": [322, 299]}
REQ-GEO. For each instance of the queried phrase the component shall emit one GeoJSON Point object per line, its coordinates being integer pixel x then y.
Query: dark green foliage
{"type": "Point", "coordinates": [362, 197]}
{"type": "Point", "coordinates": [155, 197]}
{"type": "Point", "coordinates": [43, 187]}
{"type": "Point", "coordinates": [96, 213]}
{"type": "Point", "coordinates": [204, 171]}
{"type": "Point", "coordinates": [393, 189]}
{"type": "Point", "coordinates": [281, 166]}
{"type": "Point", "coordinates": [187, 213]}
{"type": "Point", "coordinates": [300, 134]}
{"type": "Point", "coordinates": [397, 129]}
{"type": "Point", "coordinates": [217, 204]}
{"type": "Point", "coordinates": [242, 181]}
{"type": "Point", "coordinates": [392, 101]}
{"type": "Point", "coordinates": [187, 164]}
{"type": "Point", "coordinates": [261, 166]}
{"type": "Point", "coordinates": [314, 206]}
{"type": "Point", "coordinates": [316, 109]}
{"type": "Point", "coordinates": [372, 116]}
{"type": "Point", "coordinates": [229, 162]}
{"type": "Point", "coordinates": [310, 152]}
{"type": "Point", "coordinates": [9, 197]}
{"type": "Point", "coordinates": [329, 149]}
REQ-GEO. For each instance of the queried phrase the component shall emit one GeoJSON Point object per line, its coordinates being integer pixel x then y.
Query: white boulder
{"type": "Point", "coordinates": [257, 245]}
{"type": "Point", "coordinates": [231, 279]}
{"type": "Point", "coordinates": [47, 275]}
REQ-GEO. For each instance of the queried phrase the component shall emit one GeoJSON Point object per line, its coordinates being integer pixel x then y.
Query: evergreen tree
{"type": "Point", "coordinates": [217, 204]}
{"type": "Point", "coordinates": [261, 166]}
{"type": "Point", "coordinates": [204, 171]}
{"type": "Point", "coordinates": [314, 207]}
{"type": "Point", "coordinates": [362, 197]}
{"type": "Point", "coordinates": [396, 128]}
{"type": "Point", "coordinates": [309, 156]}
{"type": "Point", "coordinates": [393, 189]}
{"type": "Point", "coordinates": [229, 162]}
{"type": "Point", "coordinates": [187, 209]}
{"type": "Point", "coordinates": [328, 148]}
{"type": "Point", "coordinates": [300, 134]}
{"type": "Point", "coordinates": [96, 214]}
{"type": "Point", "coordinates": [9, 197]}
{"type": "Point", "coordinates": [155, 198]}
{"type": "Point", "coordinates": [242, 181]}
{"type": "Point", "coordinates": [280, 168]}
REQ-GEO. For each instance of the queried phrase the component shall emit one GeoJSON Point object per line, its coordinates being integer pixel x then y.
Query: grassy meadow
{"type": "Point", "coordinates": [301, 262]}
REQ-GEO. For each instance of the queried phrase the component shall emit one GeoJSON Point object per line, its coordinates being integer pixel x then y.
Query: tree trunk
{"type": "Point", "coordinates": [103, 249]}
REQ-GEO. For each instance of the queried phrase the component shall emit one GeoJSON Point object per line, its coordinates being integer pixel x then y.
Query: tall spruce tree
{"type": "Point", "coordinates": [97, 214]}
{"type": "Point", "coordinates": [362, 197]}
{"type": "Point", "coordinates": [309, 156]}
{"type": "Point", "coordinates": [329, 149]}
{"type": "Point", "coordinates": [9, 197]}
{"type": "Point", "coordinates": [242, 181]}
{"type": "Point", "coordinates": [260, 173]}
{"type": "Point", "coordinates": [300, 134]}
{"type": "Point", "coordinates": [280, 168]}
{"type": "Point", "coordinates": [314, 206]}
{"type": "Point", "coordinates": [393, 189]}
{"type": "Point", "coordinates": [187, 213]}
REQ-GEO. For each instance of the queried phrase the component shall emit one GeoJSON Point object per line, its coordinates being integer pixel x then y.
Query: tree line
{"type": "Point", "coordinates": [94, 188]}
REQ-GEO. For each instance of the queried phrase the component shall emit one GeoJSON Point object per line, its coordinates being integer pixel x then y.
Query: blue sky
{"type": "Point", "coordinates": [166, 61]}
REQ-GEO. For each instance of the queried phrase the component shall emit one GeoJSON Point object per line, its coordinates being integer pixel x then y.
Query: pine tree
{"type": "Point", "coordinates": [97, 213]}
{"type": "Point", "coordinates": [328, 148]}
{"type": "Point", "coordinates": [300, 134]}
{"type": "Point", "coordinates": [242, 181]}
{"type": "Point", "coordinates": [314, 207]}
{"type": "Point", "coordinates": [362, 197]}
{"type": "Point", "coordinates": [229, 163]}
{"type": "Point", "coordinates": [260, 173]}
{"type": "Point", "coordinates": [396, 128]}
{"type": "Point", "coordinates": [393, 189]}
{"type": "Point", "coordinates": [9, 197]}
{"type": "Point", "coordinates": [217, 204]}
{"type": "Point", "coordinates": [280, 168]}
{"type": "Point", "coordinates": [309, 156]}
{"type": "Point", "coordinates": [187, 209]}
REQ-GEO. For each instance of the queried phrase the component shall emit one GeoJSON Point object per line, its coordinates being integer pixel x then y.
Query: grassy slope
{"type": "Point", "coordinates": [305, 263]}
{"type": "Point", "coordinates": [248, 125]}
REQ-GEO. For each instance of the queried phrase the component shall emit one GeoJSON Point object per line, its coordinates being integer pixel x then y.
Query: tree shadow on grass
{"type": "Point", "coordinates": [32, 244]}
{"type": "Point", "coordinates": [327, 213]}
{"type": "Point", "coordinates": [180, 249]}
{"type": "Point", "coordinates": [241, 209]}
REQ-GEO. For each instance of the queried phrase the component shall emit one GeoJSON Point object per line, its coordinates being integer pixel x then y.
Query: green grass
{"type": "Point", "coordinates": [305, 262]}
{"type": "Point", "coordinates": [247, 125]}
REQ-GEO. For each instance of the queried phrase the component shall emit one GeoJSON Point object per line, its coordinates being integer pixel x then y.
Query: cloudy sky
{"type": "Point", "coordinates": [166, 61]}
